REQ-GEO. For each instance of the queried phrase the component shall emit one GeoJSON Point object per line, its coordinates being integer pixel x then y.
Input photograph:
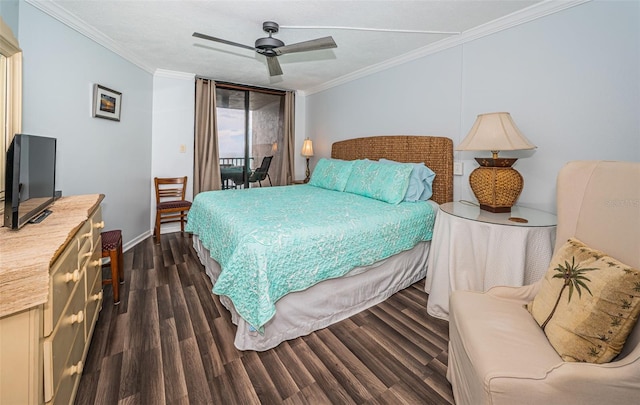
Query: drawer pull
{"type": "Point", "coordinates": [77, 318]}
{"type": "Point", "coordinates": [97, 297]}
{"type": "Point", "coordinates": [99, 225]}
{"type": "Point", "coordinates": [74, 276]}
{"type": "Point", "coordinates": [76, 368]}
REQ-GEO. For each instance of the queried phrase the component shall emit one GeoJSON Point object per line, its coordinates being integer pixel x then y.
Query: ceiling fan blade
{"type": "Point", "coordinates": [312, 45]}
{"type": "Point", "coordinates": [223, 41]}
{"type": "Point", "coordinates": [274, 66]}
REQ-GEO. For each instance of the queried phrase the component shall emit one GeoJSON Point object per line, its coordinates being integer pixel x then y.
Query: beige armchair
{"type": "Point", "coordinates": [497, 352]}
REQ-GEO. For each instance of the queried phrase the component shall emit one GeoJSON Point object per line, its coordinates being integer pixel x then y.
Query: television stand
{"type": "Point", "coordinates": [40, 217]}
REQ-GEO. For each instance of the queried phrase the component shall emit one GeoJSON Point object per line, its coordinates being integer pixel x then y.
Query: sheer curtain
{"type": "Point", "coordinates": [206, 169]}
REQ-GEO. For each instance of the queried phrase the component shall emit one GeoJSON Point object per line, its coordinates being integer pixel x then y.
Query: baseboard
{"type": "Point", "coordinates": [136, 240]}
{"type": "Point", "coordinates": [170, 228]}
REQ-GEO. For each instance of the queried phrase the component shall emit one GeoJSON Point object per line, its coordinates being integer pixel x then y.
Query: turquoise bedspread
{"type": "Point", "coordinates": [274, 240]}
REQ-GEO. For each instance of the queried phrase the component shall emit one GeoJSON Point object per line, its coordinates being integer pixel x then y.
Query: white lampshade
{"type": "Point", "coordinates": [495, 183]}
{"type": "Point", "coordinates": [495, 132]}
{"type": "Point", "coordinates": [307, 148]}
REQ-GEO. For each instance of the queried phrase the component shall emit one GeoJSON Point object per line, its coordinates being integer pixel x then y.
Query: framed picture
{"type": "Point", "coordinates": [106, 103]}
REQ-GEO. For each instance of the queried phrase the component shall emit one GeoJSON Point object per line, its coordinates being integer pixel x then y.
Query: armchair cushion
{"type": "Point", "coordinates": [496, 349]}
{"type": "Point", "coordinates": [498, 355]}
{"type": "Point", "coordinates": [588, 303]}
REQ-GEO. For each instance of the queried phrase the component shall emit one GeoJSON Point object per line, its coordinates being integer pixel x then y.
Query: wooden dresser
{"type": "Point", "coordinates": [50, 296]}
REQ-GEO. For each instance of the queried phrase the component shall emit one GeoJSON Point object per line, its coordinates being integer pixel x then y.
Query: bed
{"type": "Point", "coordinates": [274, 289]}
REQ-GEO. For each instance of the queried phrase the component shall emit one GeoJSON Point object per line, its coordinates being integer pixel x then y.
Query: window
{"type": "Point", "coordinates": [250, 128]}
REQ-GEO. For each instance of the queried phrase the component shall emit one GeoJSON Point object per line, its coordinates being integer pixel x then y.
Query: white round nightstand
{"type": "Point", "coordinates": [474, 250]}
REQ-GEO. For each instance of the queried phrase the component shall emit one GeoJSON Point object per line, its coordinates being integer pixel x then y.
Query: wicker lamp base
{"type": "Point", "coordinates": [496, 184]}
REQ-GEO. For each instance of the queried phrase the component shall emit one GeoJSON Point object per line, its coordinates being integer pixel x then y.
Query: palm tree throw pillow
{"type": "Point", "coordinates": [588, 303]}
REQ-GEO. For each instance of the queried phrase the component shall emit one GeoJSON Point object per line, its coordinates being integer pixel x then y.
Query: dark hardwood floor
{"type": "Point", "coordinates": [170, 341]}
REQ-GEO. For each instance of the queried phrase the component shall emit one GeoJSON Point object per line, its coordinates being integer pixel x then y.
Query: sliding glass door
{"type": "Point", "coordinates": [250, 130]}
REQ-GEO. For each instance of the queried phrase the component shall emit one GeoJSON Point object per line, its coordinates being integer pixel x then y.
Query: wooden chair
{"type": "Point", "coordinates": [262, 172]}
{"type": "Point", "coordinates": [112, 248]}
{"type": "Point", "coordinates": [171, 205]}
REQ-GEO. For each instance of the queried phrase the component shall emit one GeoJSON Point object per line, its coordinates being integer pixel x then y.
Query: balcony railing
{"type": "Point", "coordinates": [233, 172]}
{"type": "Point", "coordinates": [233, 161]}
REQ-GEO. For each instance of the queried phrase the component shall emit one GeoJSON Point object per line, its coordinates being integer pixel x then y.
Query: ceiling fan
{"type": "Point", "coordinates": [273, 47]}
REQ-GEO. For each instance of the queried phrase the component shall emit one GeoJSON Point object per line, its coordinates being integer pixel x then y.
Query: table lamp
{"type": "Point", "coordinates": [307, 151]}
{"type": "Point", "coordinates": [495, 183]}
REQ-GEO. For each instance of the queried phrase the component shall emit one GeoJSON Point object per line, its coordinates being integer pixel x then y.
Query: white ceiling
{"type": "Point", "coordinates": [158, 34]}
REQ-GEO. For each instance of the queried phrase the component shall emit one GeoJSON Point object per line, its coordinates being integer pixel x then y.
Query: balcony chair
{"type": "Point", "coordinates": [171, 205]}
{"type": "Point", "coordinates": [499, 354]}
{"type": "Point", "coordinates": [262, 172]}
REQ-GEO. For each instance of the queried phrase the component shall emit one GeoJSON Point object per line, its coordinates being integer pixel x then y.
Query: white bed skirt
{"type": "Point", "coordinates": [328, 302]}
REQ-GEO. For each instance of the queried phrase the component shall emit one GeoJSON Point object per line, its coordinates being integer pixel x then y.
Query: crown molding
{"type": "Point", "coordinates": [531, 13]}
{"type": "Point", "coordinates": [173, 74]}
{"type": "Point", "coordinates": [523, 16]}
{"type": "Point", "coordinates": [73, 22]}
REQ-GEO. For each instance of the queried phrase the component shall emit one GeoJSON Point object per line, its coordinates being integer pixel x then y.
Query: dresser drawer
{"type": "Point", "coordinates": [64, 277]}
{"type": "Point", "coordinates": [70, 375]}
{"type": "Point", "coordinates": [85, 251]}
{"type": "Point", "coordinates": [94, 296]}
{"type": "Point", "coordinates": [85, 234]}
{"type": "Point", "coordinates": [97, 225]}
{"type": "Point", "coordinates": [93, 266]}
{"type": "Point", "coordinates": [68, 333]}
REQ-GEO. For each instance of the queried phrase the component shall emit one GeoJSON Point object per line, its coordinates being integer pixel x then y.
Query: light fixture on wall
{"type": "Point", "coordinates": [495, 183]}
{"type": "Point", "coordinates": [307, 151]}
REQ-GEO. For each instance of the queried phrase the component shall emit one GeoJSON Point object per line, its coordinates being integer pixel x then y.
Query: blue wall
{"type": "Point", "coordinates": [10, 10]}
{"type": "Point", "coordinates": [95, 155]}
{"type": "Point", "coordinates": [570, 80]}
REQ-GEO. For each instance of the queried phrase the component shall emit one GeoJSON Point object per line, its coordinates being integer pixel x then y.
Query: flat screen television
{"type": "Point", "coordinates": [29, 179]}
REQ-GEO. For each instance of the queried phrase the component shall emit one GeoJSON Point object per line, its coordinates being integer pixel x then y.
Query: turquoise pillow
{"type": "Point", "coordinates": [383, 182]}
{"type": "Point", "coordinates": [420, 182]}
{"type": "Point", "coordinates": [331, 174]}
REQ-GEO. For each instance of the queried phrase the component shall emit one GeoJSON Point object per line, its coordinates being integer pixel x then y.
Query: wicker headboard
{"type": "Point", "coordinates": [436, 152]}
